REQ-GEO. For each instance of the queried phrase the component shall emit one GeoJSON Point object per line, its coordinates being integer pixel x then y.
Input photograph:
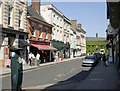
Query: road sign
{"type": "Point", "coordinates": [12, 54]}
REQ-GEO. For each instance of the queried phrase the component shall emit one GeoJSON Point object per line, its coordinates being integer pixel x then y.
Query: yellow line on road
{"type": "Point", "coordinates": [59, 75]}
{"type": "Point", "coordinates": [73, 69]}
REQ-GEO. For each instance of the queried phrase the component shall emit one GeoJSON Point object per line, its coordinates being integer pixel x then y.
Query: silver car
{"type": "Point", "coordinates": [89, 60]}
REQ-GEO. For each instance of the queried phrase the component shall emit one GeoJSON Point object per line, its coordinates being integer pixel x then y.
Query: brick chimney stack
{"type": "Point", "coordinates": [36, 5]}
{"type": "Point", "coordinates": [73, 22]}
{"type": "Point", "coordinates": [79, 26]}
{"type": "Point", "coordinates": [96, 35]}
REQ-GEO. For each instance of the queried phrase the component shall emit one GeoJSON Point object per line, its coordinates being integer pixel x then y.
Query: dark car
{"type": "Point", "coordinates": [98, 56]}
{"type": "Point", "coordinates": [89, 60]}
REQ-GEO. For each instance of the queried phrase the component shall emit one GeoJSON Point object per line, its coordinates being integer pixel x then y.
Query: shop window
{"type": "Point", "coordinates": [10, 16]}
{"type": "Point", "coordinates": [20, 19]}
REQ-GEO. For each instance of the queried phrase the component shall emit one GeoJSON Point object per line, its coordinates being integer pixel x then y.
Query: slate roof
{"type": "Point", "coordinates": [74, 30]}
{"type": "Point", "coordinates": [95, 38]}
{"type": "Point", "coordinates": [35, 14]}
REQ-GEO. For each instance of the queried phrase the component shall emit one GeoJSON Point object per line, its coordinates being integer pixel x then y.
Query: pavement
{"type": "Point", "coordinates": [6, 71]}
{"type": "Point", "coordinates": [100, 77]}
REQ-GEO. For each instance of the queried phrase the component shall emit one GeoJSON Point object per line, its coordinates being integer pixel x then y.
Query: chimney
{"type": "Point", "coordinates": [36, 5]}
{"type": "Point", "coordinates": [96, 35]}
{"type": "Point", "coordinates": [73, 22]}
{"type": "Point", "coordinates": [79, 26]}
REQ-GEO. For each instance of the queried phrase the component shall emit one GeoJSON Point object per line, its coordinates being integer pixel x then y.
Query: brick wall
{"type": "Point", "coordinates": [37, 32]}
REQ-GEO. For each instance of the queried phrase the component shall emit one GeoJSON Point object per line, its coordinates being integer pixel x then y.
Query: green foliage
{"type": "Point", "coordinates": [91, 46]}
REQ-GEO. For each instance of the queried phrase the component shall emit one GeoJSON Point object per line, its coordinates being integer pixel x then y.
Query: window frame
{"type": "Point", "coordinates": [40, 31]}
{"type": "Point", "coordinates": [10, 16]}
{"type": "Point", "coordinates": [20, 19]}
{"type": "Point", "coordinates": [33, 30]}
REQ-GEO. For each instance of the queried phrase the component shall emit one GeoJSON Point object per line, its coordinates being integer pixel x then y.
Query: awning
{"type": "Point", "coordinates": [43, 47]}
{"type": "Point", "coordinates": [23, 43]}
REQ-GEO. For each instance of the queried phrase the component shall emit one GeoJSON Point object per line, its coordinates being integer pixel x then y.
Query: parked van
{"type": "Point", "coordinates": [102, 51]}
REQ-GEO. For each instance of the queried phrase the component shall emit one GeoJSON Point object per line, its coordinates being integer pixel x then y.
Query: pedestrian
{"type": "Point", "coordinates": [104, 59]}
{"type": "Point", "coordinates": [32, 60]}
{"type": "Point", "coordinates": [30, 57]}
{"type": "Point", "coordinates": [38, 58]}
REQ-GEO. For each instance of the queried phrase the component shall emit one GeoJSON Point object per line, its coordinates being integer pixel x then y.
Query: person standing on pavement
{"type": "Point", "coordinates": [32, 59]}
{"type": "Point", "coordinates": [38, 58]}
{"type": "Point", "coordinates": [104, 59]}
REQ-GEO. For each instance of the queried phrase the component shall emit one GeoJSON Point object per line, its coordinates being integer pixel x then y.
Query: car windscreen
{"type": "Point", "coordinates": [98, 54]}
{"type": "Point", "coordinates": [89, 57]}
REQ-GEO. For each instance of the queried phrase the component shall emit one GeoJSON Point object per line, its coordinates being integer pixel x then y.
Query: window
{"type": "Point", "coordinates": [40, 29]}
{"type": "Point", "coordinates": [46, 34]}
{"type": "Point", "coordinates": [10, 16]}
{"type": "Point", "coordinates": [33, 28]}
{"type": "Point", "coordinates": [20, 19]}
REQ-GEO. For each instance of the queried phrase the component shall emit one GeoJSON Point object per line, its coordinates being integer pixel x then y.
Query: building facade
{"type": "Point", "coordinates": [80, 38]}
{"type": "Point", "coordinates": [113, 32]}
{"type": "Point", "coordinates": [13, 28]}
{"type": "Point", "coordinates": [72, 42]}
{"type": "Point", "coordinates": [60, 31]}
{"type": "Point", "coordinates": [39, 33]}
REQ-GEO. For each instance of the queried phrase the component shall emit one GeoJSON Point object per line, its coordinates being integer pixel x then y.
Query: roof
{"type": "Point", "coordinates": [95, 38]}
{"type": "Point", "coordinates": [35, 14]}
{"type": "Point", "coordinates": [74, 30]}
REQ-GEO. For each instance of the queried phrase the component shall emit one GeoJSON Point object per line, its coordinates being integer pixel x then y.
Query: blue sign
{"type": "Point", "coordinates": [12, 54]}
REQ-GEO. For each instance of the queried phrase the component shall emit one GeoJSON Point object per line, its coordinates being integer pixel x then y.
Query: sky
{"type": "Point", "coordinates": [92, 15]}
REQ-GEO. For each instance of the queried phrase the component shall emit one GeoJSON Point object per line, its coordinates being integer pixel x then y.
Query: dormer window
{"type": "Point", "coordinates": [10, 16]}
{"type": "Point", "coordinates": [20, 19]}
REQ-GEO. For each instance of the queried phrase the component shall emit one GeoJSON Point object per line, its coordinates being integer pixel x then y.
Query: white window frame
{"type": "Point", "coordinates": [40, 30]}
{"type": "Point", "coordinates": [33, 25]}
{"type": "Point", "coordinates": [20, 19]}
{"type": "Point", "coordinates": [10, 16]}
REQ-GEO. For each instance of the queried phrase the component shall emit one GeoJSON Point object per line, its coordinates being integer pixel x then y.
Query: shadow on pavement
{"type": "Point", "coordinates": [71, 82]}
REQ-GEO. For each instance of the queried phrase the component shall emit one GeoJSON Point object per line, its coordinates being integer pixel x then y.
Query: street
{"type": "Point", "coordinates": [56, 74]}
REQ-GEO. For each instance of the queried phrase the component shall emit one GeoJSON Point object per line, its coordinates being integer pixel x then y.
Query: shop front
{"type": "Point", "coordinates": [59, 53]}
{"type": "Point", "coordinates": [78, 51]}
{"type": "Point", "coordinates": [66, 50]}
{"type": "Point", "coordinates": [44, 50]}
{"type": "Point", "coordinates": [10, 39]}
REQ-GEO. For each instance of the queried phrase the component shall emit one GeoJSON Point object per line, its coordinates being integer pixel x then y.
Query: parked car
{"type": "Point", "coordinates": [90, 60]}
{"type": "Point", "coordinates": [98, 56]}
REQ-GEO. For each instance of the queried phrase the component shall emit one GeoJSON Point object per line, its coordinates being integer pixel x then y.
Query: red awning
{"type": "Point", "coordinates": [43, 47]}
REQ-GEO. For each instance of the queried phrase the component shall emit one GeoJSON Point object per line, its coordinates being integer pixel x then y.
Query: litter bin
{"type": "Point", "coordinates": [16, 69]}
